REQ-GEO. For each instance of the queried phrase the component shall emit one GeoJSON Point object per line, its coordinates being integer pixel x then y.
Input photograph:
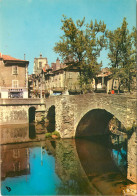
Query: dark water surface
{"type": "Point", "coordinates": [61, 167]}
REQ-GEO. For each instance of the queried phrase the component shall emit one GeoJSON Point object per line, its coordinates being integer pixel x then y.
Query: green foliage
{"type": "Point", "coordinates": [121, 45]}
{"type": "Point", "coordinates": [48, 135]}
{"type": "Point", "coordinates": [56, 133]}
{"type": "Point", "coordinates": [80, 46]}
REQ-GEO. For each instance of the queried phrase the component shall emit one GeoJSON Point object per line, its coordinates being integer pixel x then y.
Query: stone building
{"type": "Point", "coordinates": [62, 79]}
{"type": "Point", "coordinates": [39, 64]}
{"type": "Point", "coordinates": [54, 80]}
{"type": "Point", "coordinates": [13, 77]}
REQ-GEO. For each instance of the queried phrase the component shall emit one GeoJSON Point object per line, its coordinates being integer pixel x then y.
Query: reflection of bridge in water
{"type": "Point", "coordinates": [90, 162]}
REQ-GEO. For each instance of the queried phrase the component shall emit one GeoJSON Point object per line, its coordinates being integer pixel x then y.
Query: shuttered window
{"type": "Point", "coordinates": [14, 83]}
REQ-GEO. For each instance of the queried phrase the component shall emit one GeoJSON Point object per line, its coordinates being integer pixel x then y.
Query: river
{"type": "Point", "coordinates": [32, 165]}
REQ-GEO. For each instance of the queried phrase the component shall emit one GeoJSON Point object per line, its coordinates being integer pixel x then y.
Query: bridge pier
{"type": "Point", "coordinates": [132, 158]}
{"type": "Point", "coordinates": [65, 118]}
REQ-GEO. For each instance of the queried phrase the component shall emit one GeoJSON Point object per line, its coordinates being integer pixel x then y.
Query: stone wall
{"type": "Point", "coordinates": [16, 111]}
{"type": "Point", "coordinates": [13, 114]}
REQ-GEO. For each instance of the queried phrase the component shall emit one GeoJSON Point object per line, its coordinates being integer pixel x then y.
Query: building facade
{"type": "Point", "coordinates": [13, 77]}
{"type": "Point", "coordinates": [54, 80]}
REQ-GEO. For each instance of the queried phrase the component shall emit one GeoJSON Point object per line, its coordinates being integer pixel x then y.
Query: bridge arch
{"type": "Point", "coordinates": [51, 118]}
{"type": "Point", "coordinates": [32, 110]}
{"type": "Point", "coordinates": [106, 114]}
{"type": "Point", "coordinates": [94, 122]}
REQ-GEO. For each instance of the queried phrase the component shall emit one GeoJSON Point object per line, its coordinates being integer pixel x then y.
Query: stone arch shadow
{"type": "Point", "coordinates": [32, 132]}
{"type": "Point", "coordinates": [95, 122]}
{"type": "Point", "coordinates": [31, 112]}
{"type": "Point", "coordinates": [51, 118]}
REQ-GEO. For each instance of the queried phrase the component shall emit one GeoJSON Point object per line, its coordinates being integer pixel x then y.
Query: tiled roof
{"type": "Point", "coordinates": [9, 58]}
{"type": "Point", "coordinates": [104, 74]}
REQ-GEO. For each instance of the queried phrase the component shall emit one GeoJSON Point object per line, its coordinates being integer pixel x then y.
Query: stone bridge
{"type": "Point", "coordinates": [71, 110]}
{"type": "Point", "coordinates": [18, 111]}
{"type": "Point", "coordinates": [92, 112]}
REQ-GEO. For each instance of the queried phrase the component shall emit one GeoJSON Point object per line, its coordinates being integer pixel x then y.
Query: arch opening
{"type": "Point", "coordinates": [32, 114]}
{"type": "Point", "coordinates": [95, 122]}
{"type": "Point", "coordinates": [51, 119]}
{"type": "Point", "coordinates": [107, 140]}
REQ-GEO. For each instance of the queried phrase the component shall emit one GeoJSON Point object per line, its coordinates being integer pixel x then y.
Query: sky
{"type": "Point", "coordinates": [32, 27]}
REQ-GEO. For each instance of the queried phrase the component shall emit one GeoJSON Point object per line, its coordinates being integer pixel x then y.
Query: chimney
{"type": "Point", "coordinates": [24, 56]}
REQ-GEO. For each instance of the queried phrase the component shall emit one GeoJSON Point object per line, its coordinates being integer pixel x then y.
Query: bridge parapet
{"type": "Point", "coordinates": [21, 102]}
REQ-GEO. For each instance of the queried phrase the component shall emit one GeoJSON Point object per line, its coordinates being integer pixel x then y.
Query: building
{"type": "Point", "coordinates": [104, 81]}
{"type": "Point", "coordinates": [39, 64]}
{"type": "Point", "coordinates": [13, 77]}
{"type": "Point", "coordinates": [54, 80]}
{"type": "Point", "coordinates": [62, 79]}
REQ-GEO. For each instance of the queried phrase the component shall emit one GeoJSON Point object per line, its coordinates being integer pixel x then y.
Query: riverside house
{"type": "Point", "coordinates": [13, 77]}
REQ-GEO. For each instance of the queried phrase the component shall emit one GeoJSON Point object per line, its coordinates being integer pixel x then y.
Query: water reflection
{"type": "Point", "coordinates": [17, 133]}
{"type": "Point", "coordinates": [96, 157]}
{"type": "Point", "coordinates": [64, 167]}
{"type": "Point", "coordinates": [15, 162]}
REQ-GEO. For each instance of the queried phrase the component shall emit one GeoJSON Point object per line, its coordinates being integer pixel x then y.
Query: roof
{"type": "Point", "coordinates": [104, 72]}
{"type": "Point", "coordinates": [9, 58]}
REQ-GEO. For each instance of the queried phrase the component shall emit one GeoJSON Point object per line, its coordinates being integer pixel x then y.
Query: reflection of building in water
{"type": "Point", "coordinates": [15, 162]}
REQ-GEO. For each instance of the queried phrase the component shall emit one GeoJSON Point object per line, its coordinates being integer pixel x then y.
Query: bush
{"type": "Point", "coordinates": [56, 133]}
{"type": "Point", "coordinates": [48, 135]}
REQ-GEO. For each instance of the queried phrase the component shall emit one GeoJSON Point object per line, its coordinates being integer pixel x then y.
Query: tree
{"type": "Point", "coordinates": [80, 46]}
{"type": "Point", "coordinates": [122, 55]}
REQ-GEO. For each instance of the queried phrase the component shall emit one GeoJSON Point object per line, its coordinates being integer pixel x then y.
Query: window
{"type": "Point", "coordinates": [40, 65]}
{"type": "Point", "coordinates": [14, 70]}
{"type": "Point", "coordinates": [14, 83]}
